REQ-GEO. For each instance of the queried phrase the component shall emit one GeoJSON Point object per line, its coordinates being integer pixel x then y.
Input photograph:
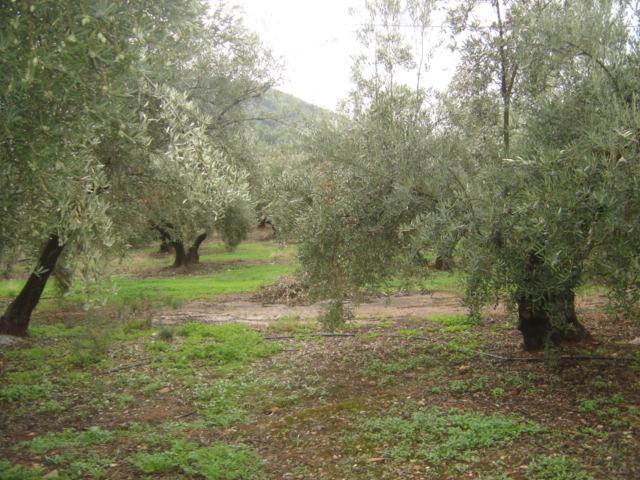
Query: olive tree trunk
{"type": "Point", "coordinates": [17, 316]}
{"type": "Point", "coordinates": [442, 263]}
{"type": "Point", "coordinates": [193, 255]}
{"type": "Point", "coordinates": [180, 258]}
{"type": "Point", "coordinates": [183, 257]}
{"type": "Point", "coordinates": [551, 320]}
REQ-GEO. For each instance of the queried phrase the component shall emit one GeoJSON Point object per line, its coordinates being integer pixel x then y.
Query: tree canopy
{"type": "Point", "coordinates": [112, 119]}
{"type": "Point", "coordinates": [523, 175]}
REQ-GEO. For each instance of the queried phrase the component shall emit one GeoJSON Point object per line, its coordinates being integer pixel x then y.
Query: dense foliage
{"type": "Point", "coordinates": [525, 173]}
{"type": "Point", "coordinates": [116, 116]}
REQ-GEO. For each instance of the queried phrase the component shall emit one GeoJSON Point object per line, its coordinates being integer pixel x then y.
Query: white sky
{"type": "Point", "coordinates": [316, 40]}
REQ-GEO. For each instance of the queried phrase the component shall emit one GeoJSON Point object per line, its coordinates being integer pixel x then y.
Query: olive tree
{"type": "Point", "coordinates": [224, 71]}
{"type": "Point", "coordinates": [76, 133]}
{"type": "Point", "coordinates": [539, 214]}
{"type": "Point", "coordinates": [366, 174]}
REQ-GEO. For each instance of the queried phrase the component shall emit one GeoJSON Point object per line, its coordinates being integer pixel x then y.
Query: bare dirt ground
{"type": "Point", "coordinates": [246, 309]}
{"type": "Point", "coordinates": [306, 408]}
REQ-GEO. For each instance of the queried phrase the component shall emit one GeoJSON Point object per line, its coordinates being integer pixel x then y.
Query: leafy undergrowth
{"type": "Point", "coordinates": [215, 462]}
{"type": "Point", "coordinates": [108, 395]}
{"type": "Point", "coordinates": [84, 403]}
{"type": "Point", "coordinates": [436, 435]}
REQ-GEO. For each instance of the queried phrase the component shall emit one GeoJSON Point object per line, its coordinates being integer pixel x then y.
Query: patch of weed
{"type": "Point", "coordinates": [136, 325]}
{"type": "Point", "coordinates": [437, 435]}
{"type": "Point", "coordinates": [19, 392]}
{"type": "Point", "coordinates": [593, 432]}
{"type": "Point", "coordinates": [525, 379]}
{"type": "Point", "coordinates": [497, 392]}
{"type": "Point", "coordinates": [386, 371]}
{"type": "Point", "coordinates": [556, 467]}
{"type": "Point", "coordinates": [288, 324]}
{"type": "Point", "coordinates": [220, 403]}
{"type": "Point", "coordinates": [111, 399]}
{"type": "Point", "coordinates": [67, 439]}
{"type": "Point", "coordinates": [335, 316]}
{"type": "Point", "coordinates": [17, 472]}
{"type": "Point", "coordinates": [52, 406]}
{"type": "Point", "coordinates": [81, 466]}
{"type": "Point", "coordinates": [32, 357]}
{"type": "Point", "coordinates": [220, 344]}
{"type": "Point", "coordinates": [216, 462]}
{"type": "Point", "coordinates": [89, 350]}
{"type": "Point", "coordinates": [459, 349]}
{"type": "Point", "coordinates": [56, 330]}
{"type": "Point", "coordinates": [165, 334]}
{"type": "Point", "coordinates": [605, 408]}
{"type": "Point", "coordinates": [468, 386]}
{"type": "Point", "coordinates": [599, 384]}
{"type": "Point", "coordinates": [408, 332]}
{"type": "Point", "coordinates": [454, 323]}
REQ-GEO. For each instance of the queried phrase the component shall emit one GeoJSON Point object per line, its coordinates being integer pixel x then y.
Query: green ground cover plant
{"type": "Point", "coordinates": [438, 435]}
{"type": "Point", "coordinates": [215, 462]}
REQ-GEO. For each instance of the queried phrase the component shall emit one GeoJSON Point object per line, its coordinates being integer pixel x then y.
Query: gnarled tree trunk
{"type": "Point", "coordinates": [264, 221]}
{"type": "Point", "coordinates": [16, 318]}
{"type": "Point", "coordinates": [184, 258]}
{"type": "Point", "coordinates": [181, 259]}
{"type": "Point", "coordinates": [193, 256]}
{"type": "Point", "coordinates": [165, 238]}
{"type": "Point", "coordinates": [441, 264]}
{"type": "Point", "coordinates": [550, 320]}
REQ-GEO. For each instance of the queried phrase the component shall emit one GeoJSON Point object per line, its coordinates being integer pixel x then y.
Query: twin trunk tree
{"type": "Point", "coordinates": [183, 257]}
{"type": "Point", "coordinates": [15, 320]}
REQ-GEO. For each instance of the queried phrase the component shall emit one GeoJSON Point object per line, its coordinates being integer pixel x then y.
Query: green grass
{"type": "Point", "coordinates": [451, 282]}
{"type": "Point", "coordinates": [57, 330]}
{"type": "Point", "coordinates": [210, 252]}
{"type": "Point", "coordinates": [248, 251]}
{"type": "Point", "coordinates": [67, 439]}
{"type": "Point", "coordinates": [220, 344]}
{"type": "Point", "coordinates": [556, 467]}
{"type": "Point", "coordinates": [17, 472]}
{"type": "Point", "coordinates": [125, 289]}
{"type": "Point", "coordinates": [169, 290]}
{"type": "Point", "coordinates": [11, 288]}
{"type": "Point", "coordinates": [453, 323]}
{"type": "Point", "coordinates": [215, 462]}
{"type": "Point", "coordinates": [207, 365]}
{"type": "Point", "coordinates": [229, 347]}
{"type": "Point", "coordinates": [436, 435]}
{"type": "Point", "coordinates": [236, 280]}
{"type": "Point", "coordinates": [19, 392]}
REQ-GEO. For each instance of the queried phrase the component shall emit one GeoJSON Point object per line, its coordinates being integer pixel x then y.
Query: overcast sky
{"type": "Point", "coordinates": [315, 40]}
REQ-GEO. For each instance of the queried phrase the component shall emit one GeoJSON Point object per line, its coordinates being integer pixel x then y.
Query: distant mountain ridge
{"type": "Point", "coordinates": [280, 118]}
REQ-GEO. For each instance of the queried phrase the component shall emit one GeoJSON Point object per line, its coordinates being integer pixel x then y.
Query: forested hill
{"type": "Point", "coordinates": [280, 117]}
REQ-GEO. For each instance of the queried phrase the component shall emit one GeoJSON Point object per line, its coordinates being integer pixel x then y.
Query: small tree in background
{"type": "Point", "coordinates": [367, 174]}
